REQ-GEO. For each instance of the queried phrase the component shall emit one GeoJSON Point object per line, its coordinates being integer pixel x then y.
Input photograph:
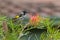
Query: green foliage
{"type": "Point", "coordinates": [13, 29]}
{"type": "Point", "coordinates": [52, 32]}
{"type": "Point", "coordinates": [16, 30]}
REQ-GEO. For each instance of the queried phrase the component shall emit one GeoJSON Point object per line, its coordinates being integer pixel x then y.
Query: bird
{"type": "Point", "coordinates": [21, 15]}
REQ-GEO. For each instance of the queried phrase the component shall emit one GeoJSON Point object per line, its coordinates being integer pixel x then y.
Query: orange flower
{"type": "Point", "coordinates": [34, 20]}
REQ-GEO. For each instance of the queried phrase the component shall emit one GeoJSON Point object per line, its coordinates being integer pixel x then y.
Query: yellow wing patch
{"type": "Point", "coordinates": [16, 17]}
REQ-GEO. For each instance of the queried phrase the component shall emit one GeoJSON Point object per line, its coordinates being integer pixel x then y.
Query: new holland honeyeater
{"type": "Point", "coordinates": [23, 13]}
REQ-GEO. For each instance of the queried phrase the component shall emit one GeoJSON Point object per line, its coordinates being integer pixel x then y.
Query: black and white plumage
{"type": "Point", "coordinates": [23, 13]}
{"type": "Point", "coordinates": [21, 16]}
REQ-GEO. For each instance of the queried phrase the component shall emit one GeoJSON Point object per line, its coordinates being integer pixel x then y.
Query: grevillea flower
{"type": "Point", "coordinates": [34, 19]}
